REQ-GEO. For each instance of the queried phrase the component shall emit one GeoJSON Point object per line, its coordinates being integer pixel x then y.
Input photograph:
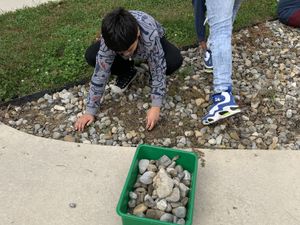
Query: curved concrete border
{"type": "Point", "coordinates": [8, 5]}
{"type": "Point", "coordinates": [40, 177]}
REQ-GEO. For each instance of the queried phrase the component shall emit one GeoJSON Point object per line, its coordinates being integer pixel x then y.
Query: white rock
{"type": "Point", "coordinates": [289, 113]}
{"type": "Point", "coordinates": [143, 164]}
{"type": "Point", "coordinates": [163, 184]}
{"type": "Point", "coordinates": [59, 108]}
{"type": "Point", "coordinates": [199, 101]}
{"type": "Point", "coordinates": [162, 205]}
{"type": "Point", "coordinates": [188, 133]}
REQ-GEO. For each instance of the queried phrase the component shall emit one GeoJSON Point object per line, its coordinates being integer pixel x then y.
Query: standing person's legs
{"type": "Point", "coordinates": [236, 8]}
{"type": "Point", "coordinates": [219, 15]}
{"type": "Point", "coordinates": [172, 55]}
{"type": "Point", "coordinates": [220, 18]}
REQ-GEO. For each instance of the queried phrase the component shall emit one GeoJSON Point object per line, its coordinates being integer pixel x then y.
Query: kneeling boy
{"type": "Point", "coordinates": [129, 35]}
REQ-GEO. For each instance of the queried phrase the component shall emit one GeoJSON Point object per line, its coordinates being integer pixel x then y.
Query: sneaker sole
{"type": "Point", "coordinates": [115, 89]}
{"type": "Point", "coordinates": [219, 116]}
{"type": "Point", "coordinates": [208, 70]}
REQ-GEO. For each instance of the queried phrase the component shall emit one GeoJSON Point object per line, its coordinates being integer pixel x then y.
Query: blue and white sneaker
{"type": "Point", "coordinates": [223, 106]}
{"type": "Point", "coordinates": [208, 64]}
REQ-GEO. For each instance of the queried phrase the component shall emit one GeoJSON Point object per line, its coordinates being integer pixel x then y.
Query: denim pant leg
{"type": "Point", "coordinates": [220, 15]}
{"type": "Point", "coordinates": [236, 8]}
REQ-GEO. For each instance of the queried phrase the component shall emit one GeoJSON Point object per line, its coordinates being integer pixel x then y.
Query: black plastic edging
{"type": "Point", "coordinates": [37, 95]}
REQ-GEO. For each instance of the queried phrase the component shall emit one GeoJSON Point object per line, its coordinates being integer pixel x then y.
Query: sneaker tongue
{"type": "Point", "coordinates": [217, 98]}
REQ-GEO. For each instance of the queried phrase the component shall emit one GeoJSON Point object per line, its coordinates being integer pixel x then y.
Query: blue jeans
{"type": "Point", "coordinates": [221, 15]}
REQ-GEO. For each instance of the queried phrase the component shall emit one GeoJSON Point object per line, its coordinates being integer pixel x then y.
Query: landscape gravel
{"type": "Point", "coordinates": [266, 81]}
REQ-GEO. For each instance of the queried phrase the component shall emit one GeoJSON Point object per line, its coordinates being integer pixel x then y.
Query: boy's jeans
{"type": "Point", "coordinates": [221, 15]}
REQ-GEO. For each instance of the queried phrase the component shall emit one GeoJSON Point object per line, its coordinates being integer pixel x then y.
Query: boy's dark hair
{"type": "Point", "coordinates": [119, 30]}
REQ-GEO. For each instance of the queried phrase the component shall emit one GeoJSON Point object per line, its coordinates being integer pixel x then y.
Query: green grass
{"type": "Point", "coordinates": [43, 48]}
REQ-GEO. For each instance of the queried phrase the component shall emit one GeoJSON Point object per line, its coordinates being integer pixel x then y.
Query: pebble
{"type": "Point", "coordinates": [139, 209]}
{"type": "Point", "coordinates": [162, 205]}
{"type": "Point", "coordinates": [147, 177]}
{"type": "Point", "coordinates": [143, 165]}
{"type": "Point", "coordinates": [175, 196]}
{"type": "Point", "coordinates": [289, 113]}
{"type": "Point", "coordinates": [167, 217]}
{"type": "Point", "coordinates": [56, 135]}
{"type": "Point", "coordinates": [59, 108]}
{"type": "Point", "coordinates": [180, 212]}
{"type": "Point", "coordinates": [72, 205]}
{"type": "Point", "coordinates": [69, 138]}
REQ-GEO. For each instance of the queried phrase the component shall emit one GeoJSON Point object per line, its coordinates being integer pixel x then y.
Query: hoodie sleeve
{"type": "Point", "coordinates": [104, 60]}
{"type": "Point", "coordinates": [157, 66]}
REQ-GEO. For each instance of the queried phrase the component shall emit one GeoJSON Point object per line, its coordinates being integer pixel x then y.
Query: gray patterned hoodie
{"type": "Point", "coordinates": [149, 49]}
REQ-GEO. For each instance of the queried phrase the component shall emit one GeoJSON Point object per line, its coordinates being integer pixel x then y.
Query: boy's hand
{"type": "Point", "coordinates": [85, 119]}
{"type": "Point", "coordinates": [202, 46]}
{"type": "Point", "coordinates": [152, 117]}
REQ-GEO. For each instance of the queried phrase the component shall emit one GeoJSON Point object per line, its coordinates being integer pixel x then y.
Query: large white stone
{"type": "Point", "coordinates": [163, 183]}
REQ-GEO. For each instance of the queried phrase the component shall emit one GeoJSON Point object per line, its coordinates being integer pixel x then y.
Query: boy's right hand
{"type": "Point", "coordinates": [85, 119]}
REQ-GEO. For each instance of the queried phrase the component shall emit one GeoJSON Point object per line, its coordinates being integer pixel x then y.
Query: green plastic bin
{"type": "Point", "coordinates": [188, 160]}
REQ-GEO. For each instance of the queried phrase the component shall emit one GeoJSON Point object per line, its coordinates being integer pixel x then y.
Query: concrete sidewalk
{"type": "Point", "coordinates": [40, 177]}
{"type": "Point", "coordinates": [11, 5]}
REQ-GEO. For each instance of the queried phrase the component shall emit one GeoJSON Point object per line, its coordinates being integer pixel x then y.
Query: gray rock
{"type": "Point", "coordinates": [181, 221]}
{"type": "Point", "coordinates": [167, 142]}
{"type": "Point", "coordinates": [184, 201]}
{"type": "Point", "coordinates": [154, 214]}
{"type": "Point", "coordinates": [132, 203]}
{"type": "Point", "coordinates": [72, 205]}
{"type": "Point", "coordinates": [56, 135]}
{"type": "Point", "coordinates": [152, 167]}
{"type": "Point", "coordinates": [37, 127]}
{"type": "Point", "coordinates": [179, 168]}
{"type": "Point", "coordinates": [175, 195]}
{"type": "Point", "coordinates": [176, 204]}
{"type": "Point", "coordinates": [167, 217]}
{"type": "Point", "coordinates": [149, 202]}
{"type": "Point", "coordinates": [172, 172]}
{"type": "Point", "coordinates": [132, 195]}
{"type": "Point", "coordinates": [147, 177]}
{"type": "Point", "coordinates": [180, 212]}
{"type": "Point", "coordinates": [184, 190]}
{"type": "Point", "coordinates": [165, 161]}
{"type": "Point", "coordinates": [169, 208]}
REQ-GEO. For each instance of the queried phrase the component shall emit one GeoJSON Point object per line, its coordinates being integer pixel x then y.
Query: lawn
{"type": "Point", "coordinates": [43, 47]}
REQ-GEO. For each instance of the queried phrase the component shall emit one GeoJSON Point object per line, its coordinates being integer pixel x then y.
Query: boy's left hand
{"type": "Point", "coordinates": [152, 117]}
